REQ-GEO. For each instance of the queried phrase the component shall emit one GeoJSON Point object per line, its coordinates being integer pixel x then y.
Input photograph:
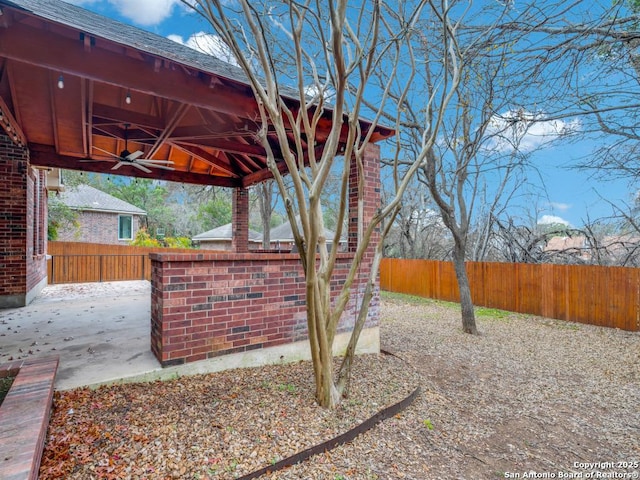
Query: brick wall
{"type": "Point", "coordinates": [97, 227]}
{"type": "Point", "coordinates": [207, 305]}
{"type": "Point", "coordinates": [22, 226]}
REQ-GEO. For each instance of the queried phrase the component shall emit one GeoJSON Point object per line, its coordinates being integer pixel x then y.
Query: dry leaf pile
{"type": "Point", "coordinates": [528, 394]}
{"type": "Point", "coordinates": [221, 425]}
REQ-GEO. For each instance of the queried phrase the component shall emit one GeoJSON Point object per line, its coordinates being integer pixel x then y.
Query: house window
{"type": "Point", "coordinates": [125, 227]}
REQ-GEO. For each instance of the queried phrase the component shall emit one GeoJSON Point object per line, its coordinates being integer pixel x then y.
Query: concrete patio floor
{"type": "Point", "coordinates": [101, 331]}
{"type": "Point", "coordinates": [102, 334]}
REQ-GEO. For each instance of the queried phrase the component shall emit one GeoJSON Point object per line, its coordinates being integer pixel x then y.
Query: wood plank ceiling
{"type": "Point", "coordinates": [118, 97]}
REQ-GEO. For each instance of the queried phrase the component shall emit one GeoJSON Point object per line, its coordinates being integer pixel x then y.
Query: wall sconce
{"type": "Point", "coordinates": [127, 99]}
{"type": "Point", "coordinates": [60, 82]}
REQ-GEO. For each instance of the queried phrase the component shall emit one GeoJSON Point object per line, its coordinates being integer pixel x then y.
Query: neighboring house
{"type": "Point", "coordinates": [281, 237]}
{"type": "Point", "coordinates": [608, 250]}
{"type": "Point", "coordinates": [102, 218]}
{"type": "Point", "coordinates": [220, 238]}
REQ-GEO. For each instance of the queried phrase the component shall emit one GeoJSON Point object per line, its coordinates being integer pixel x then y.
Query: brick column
{"type": "Point", "coordinates": [240, 220]}
{"type": "Point", "coordinates": [364, 195]}
{"type": "Point", "coordinates": [14, 225]}
{"type": "Point", "coordinates": [364, 201]}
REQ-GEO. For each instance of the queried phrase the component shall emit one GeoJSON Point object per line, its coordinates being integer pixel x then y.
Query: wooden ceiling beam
{"type": "Point", "coordinates": [88, 125]}
{"type": "Point", "coordinates": [219, 144]}
{"type": "Point", "coordinates": [262, 175]}
{"type": "Point", "coordinates": [45, 156]}
{"type": "Point", "coordinates": [119, 115]}
{"type": "Point", "coordinates": [208, 158]}
{"type": "Point", "coordinates": [178, 115]}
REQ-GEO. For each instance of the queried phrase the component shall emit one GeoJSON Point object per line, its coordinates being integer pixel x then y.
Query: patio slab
{"type": "Point", "coordinates": [100, 331]}
{"type": "Point", "coordinates": [102, 334]}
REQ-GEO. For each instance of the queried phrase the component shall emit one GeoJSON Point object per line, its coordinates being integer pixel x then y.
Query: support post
{"type": "Point", "coordinates": [364, 195]}
{"type": "Point", "coordinates": [240, 219]}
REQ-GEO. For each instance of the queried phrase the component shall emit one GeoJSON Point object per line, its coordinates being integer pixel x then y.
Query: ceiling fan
{"type": "Point", "coordinates": [128, 158]}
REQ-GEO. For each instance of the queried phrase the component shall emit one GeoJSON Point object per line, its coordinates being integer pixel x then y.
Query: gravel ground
{"type": "Point", "coordinates": [527, 395]}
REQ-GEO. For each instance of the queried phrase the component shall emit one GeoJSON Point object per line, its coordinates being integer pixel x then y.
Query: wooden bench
{"type": "Point", "coordinates": [24, 416]}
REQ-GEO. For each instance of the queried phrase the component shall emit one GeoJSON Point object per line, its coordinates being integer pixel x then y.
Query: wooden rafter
{"type": "Point", "coordinates": [179, 113]}
{"type": "Point", "coordinates": [10, 125]}
{"type": "Point", "coordinates": [46, 156]}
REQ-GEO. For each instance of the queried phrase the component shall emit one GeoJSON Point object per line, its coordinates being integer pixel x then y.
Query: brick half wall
{"type": "Point", "coordinates": [208, 305]}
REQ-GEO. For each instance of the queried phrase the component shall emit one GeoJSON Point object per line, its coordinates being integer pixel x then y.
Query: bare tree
{"type": "Point", "coordinates": [479, 155]}
{"type": "Point", "coordinates": [331, 46]}
{"type": "Point", "coordinates": [418, 230]}
{"type": "Point", "coordinates": [266, 198]}
{"type": "Point", "coordinates": [591, 69]}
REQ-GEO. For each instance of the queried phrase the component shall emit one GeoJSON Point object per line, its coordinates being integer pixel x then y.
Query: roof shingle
{"type": "Point", "coordinates": [84, 197]}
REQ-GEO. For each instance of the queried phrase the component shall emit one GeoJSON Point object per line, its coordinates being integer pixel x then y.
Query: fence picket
{"type": "Point", "coordinates": [76, 262]}
{"type": "Point", "coordinates": [606, 296]}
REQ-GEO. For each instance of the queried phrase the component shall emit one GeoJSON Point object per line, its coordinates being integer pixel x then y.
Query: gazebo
{"type": "Point", "coordinates": [84, 92]}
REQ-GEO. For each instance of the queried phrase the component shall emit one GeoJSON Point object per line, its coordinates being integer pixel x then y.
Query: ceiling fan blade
{"type": "Point", "coordinates": [135, 155]}
{"type": "Point", "coordinates": [117, 166]}
{"type": "Point", "coordinates": [140, 167]}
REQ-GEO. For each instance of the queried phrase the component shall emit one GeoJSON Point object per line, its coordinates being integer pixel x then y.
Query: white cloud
{"type": "Point", "coordinates": [563, 207]}
{"type": "Point", "coordinates": [145, 12]}
{"type": "Point", "coordinates": [526, 131]}
{"type": "Point", "coordinates": [207, 43]}
{"type": "Point", "coordinates": [142, 12]}
{"type": "Point", "coordinates": [552, 219]}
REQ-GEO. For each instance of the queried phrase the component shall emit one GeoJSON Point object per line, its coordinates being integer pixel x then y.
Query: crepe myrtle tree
{"type": "Point", "coordinates": [325, 54]}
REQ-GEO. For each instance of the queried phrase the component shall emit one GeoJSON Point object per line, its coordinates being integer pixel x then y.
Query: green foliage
{"type": "Point", "coordinates": [416, 300]}
{"type": "Point", "coordinates": [633, 5]}
{"type": "Point", "coordinates": [143, 239]}
{"type": "Point", "coordinates": [492, 312]}
{"type": "Point", "coordinates": [427, 423]}
{"type": "Point", "coordinates": [215, 212]}
{"type": "Point", "coordinates": [555, 229]}
{"type": "Point", "coordinates": [288, 387]}
{"type": "Point", "coordinates": [60, 216]}
{"type": "Point", "coordinates": [178, 242]}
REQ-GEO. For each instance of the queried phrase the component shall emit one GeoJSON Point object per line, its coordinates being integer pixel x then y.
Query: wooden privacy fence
{"type": "Point", "coordinates": [75, 262]}
{"type": "Point", "coordinates": [604, 296]}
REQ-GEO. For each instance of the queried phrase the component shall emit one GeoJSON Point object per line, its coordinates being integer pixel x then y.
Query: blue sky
{"type": "Point", "coordinates": [572, 196]}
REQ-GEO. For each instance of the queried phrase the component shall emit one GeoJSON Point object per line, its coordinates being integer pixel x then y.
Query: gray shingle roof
{"type": "Point", "coordinates": [225, 232]}
{"type": "Point", "coordinates": [128, 35]}
{"type": "Point", "coordinates": [284, 233]}
{"type": "Point", "coordinates": [84, 197]}
{"type": "Point", "coordinates": [103, 27]}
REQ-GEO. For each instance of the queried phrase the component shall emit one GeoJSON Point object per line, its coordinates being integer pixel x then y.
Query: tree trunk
{"type": "Point", "coordinates": [466, 303]}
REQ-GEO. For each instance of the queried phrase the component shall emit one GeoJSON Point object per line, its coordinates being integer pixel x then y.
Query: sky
{"type": "Point", "coordinates": [572, 197]}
